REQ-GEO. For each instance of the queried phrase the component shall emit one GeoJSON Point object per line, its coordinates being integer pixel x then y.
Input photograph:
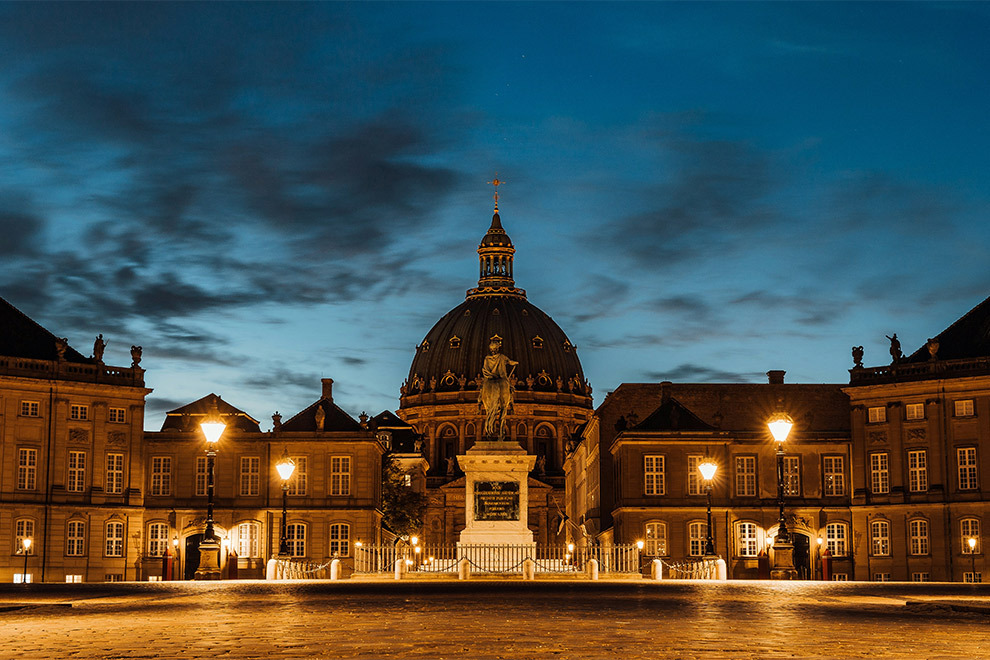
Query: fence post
{"type": "Point", "coordinates": [335, 569]}
{"type": "Point", "coordinates": [529, 569]}
{"type": "Point", "coordinates": [657, 569]}
{"type": "Point", "coordinates": [270, 569]}
{"type": "Point", "coordinates": [463, 569]}
{"type": "Point", "coordinates": [400, 568]}
{"type": "Point", "coordinates": [592, 568]}
{"type": "Point", "coordinates": [721, 571]}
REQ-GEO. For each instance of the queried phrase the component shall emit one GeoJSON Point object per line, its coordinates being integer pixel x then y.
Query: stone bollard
{"type": "Point", "coordinates": [656, 570]}
{"type": "Point", "coordinates": [271, 569]}
{"type": "Point", "coordinates": [592, 569]}
{"type": "Point", "coordinates": [529, 569]}
{"type": "Point", "coordinates": [335, 569]}
{"type": "Point", "coordinates": [721, 571]}
{"type": "Point", "coordinates": [400, 568]}
{"type": "Point", "coordinates": [464, 569]}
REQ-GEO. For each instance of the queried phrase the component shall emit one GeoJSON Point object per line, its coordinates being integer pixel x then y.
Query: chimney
{"type": "Point", "coordinates": [776, 376]}
{"type": "Point", "coordinates": [327, 388]}
{"type": "Point", "coordinates": [665, 391]}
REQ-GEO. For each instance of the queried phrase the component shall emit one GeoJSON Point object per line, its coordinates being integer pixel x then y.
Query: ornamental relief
{"type": "Point", "coordinates": [916, 435]}
{"type": "Point", "coordinates": [116, 438]}
{"type": "Point", "coordinates": [878, 436]}
{"type": "Point", "coordinates": [79, 436]}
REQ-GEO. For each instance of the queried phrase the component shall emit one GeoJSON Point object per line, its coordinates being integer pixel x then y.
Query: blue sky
{"type": "Point", "coordinates": [265, 194]}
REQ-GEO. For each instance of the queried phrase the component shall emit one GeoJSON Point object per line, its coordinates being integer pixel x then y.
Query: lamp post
{"type": "Point", "coordinates": [285, 466]}
{"type": "Point", "coordinates": [26, 545]}
{"type": "Point", "coordinates": [783, 551]}
{"type": "Point", "coordinates": [971, 541]}
{"type": "Point", "coordinates": [209, 549]}
{"type": "Point", "coordinates": [708, 469]}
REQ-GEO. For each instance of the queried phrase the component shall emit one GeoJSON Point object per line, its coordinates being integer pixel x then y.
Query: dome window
{"type": "Point", "coordinates": [425, 346]}
{"type": "Point", "coordinates": [543, 378]}
{"type": "Point", "coordinates": [537, 342]}
{"type": "Point", "coordinates": [448, 379]}
{"type": "Point", "coordinates": [495, 312]}
{"type": "Point", "coordinates": [525, 312]}
{"type": "Point", "coordinates": [455, 342]}
{"type": "Point", "coordinates": [567, 346]}
{"type": "Point", "coordinates": [467, 312]}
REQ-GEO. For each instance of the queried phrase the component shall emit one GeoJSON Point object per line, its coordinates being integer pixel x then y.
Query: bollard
{"type": "Point", "coordinates": [464, 569]}
{"type": "Point", "coordinates": [656, 571]}
{"type": "Point", "coordinates": [270, 569]}
{"type": "Point", "coordinates": [721, 572]}
{"type": "Point", "coordinates": [529, 569]}
{"type": "Point", "coordinates": [335, 569]}
{"type": "Point", "coordinates": [592, 569]}
{"type": "Point", "coordinates": [400, 568]}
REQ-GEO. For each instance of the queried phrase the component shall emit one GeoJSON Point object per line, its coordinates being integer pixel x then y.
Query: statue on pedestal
{"type": "Point", "coordinates": [495, 393]}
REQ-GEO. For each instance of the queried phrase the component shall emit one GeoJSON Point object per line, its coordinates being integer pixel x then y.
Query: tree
{"type": "Point", "coordinates": [402, 506]}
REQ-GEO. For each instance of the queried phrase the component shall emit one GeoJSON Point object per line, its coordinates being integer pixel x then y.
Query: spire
{"type": "Point", "coordinates": [495, 254]}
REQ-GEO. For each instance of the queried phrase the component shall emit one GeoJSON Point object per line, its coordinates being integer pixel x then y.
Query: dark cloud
{"type": "Point", "coordinates": [697, 373]}
{"type": "Point", "coordinates": [20, 228]}
{"type": "Point", "coordinates": [809, 308]}
{"type": "Point", "coordinates": [353, 361]}
{"type": "Point", "coordinates": [281, 378]}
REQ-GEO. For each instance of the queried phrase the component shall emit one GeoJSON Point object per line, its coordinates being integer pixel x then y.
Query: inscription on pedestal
{"type": "Point", "coordinates": [496, 500]}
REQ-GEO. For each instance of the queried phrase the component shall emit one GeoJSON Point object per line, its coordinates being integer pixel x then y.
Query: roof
{"type": "Point", "coordinates": [189, 416]}
{"type": "Point", "coordinates": [968, 337]}
{"type": "Point", "coordinates": [672, 416]}
{"type": "Point", "coordinates": [334, 419]}
{"type": "Point", "coordinates": [22, 337]}
{"type": "Point", "coordinates": [404, 438]}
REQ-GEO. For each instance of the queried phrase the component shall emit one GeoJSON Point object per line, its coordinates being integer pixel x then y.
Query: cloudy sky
{"type": "Point", "coordinates": [264, 195]}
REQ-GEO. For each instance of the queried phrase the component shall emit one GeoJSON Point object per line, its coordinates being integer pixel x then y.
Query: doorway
{"type": "Point", "coordinates": [802, 556]}
{"type": "Point", "coordinates": [192, 556]}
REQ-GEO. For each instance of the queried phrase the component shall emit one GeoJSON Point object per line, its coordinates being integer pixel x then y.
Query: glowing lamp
{"type": "Point", "coordinates": [971, 541]}
{"type": "Point", "coordinates": [640, 544]}
{"type": "Point", "coordinates": [780, 426]}
{"type": "Point", "coordinates": [27, 544]}
{"type": "Point", "coordinates": [285, 466]}
{"type": "Point", "coordinates": [708, 470]}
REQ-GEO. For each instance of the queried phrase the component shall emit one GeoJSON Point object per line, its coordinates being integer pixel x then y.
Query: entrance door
{"type": "Point", "coordinates": [802, 556]}
{"type": "Point", "coordinates": [192, 556]}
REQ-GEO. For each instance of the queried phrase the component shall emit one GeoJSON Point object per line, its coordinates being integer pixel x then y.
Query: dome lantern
{"type": "Point", "coordinates": [495, 254]}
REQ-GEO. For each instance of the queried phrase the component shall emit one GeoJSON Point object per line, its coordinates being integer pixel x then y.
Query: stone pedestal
{"type": "Point", "coordinates": [209, 560]}
{"type": "Point", "coordinates": [783, 562]}
{"type": "Point", "coordinates": [496, 535]}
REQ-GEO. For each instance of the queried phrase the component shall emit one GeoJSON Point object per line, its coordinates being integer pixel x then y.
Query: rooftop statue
{"type": "Point", "coordinates": [495, 393]}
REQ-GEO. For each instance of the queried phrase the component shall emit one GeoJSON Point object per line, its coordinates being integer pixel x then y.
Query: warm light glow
{"type": "Point", "coordinates": [285, 466]}
{"type": "Point", "coordinates": [409, 562]}
{"type": "Point", "coordinates": [414, 540]}
{"type": "Point", "coordinates": [708, 469]}
{"type": "Point", "coordinates": [213, 429]}
{"type": "Point", "coordinates": [570, 547]}
{"type": "Point", "coordinates": [358, 544]}
{"type": "Point", "coordinates": [418, 549]}
{"type": "Point", "coordinates": [819, 540]}
{"type": "Point", "coordinates": [225, 543]}
{"type": "Point", "coordinates": [175, 542]}
{"type": "Point", "coordinates": [27, 544]}
{"type": "Point", "coordinates": [780, 426]}
{"type": "Point", "coordinates": [640, 544]}
{"type": "Point", "coordinates": [971, 541]}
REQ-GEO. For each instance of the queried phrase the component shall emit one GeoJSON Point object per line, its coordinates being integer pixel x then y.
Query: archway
{"type": "Point", "coordinates": [192, 556]}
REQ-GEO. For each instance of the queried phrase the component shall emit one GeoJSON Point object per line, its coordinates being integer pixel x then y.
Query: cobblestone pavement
{"type": "Point", "coordinates": [485, 620]}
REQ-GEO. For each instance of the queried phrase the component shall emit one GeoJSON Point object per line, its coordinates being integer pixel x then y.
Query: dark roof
{"type": "Point", "coordinates": [334, 419]}
{"type": "Point", "coordinates": [387, 420]}
{"type": "Point", "coordinates": [403, 435]}
{"type": "Point", "coordinates": [969, 337]}
{"type": "Point", "coordinates": [672, 416]}
{"type": "Point", "coordinates": [22, 337]}
{"type": "Point", "coordinates": [189, 416]}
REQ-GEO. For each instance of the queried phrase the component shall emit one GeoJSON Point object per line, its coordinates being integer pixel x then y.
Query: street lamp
{"type": "Point", "coordinates": [972, 554]}
{"type": "Point", "coordinates": [26, 542]}
{"type": "Point", "coordinates": [209, 549]}
{"type": "Point", "coordinates": [285, 466]}
{"type": "Point", "coordinates": [708, 469]}
{"type": "Point", "coordinates": [780, 427]}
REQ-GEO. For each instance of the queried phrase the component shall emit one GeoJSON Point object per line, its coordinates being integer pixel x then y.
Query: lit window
{"type": "Point", "coordinates": [792, 476]}
{"type": "Point", "coordinates": [970, 529]}
{"type": "Point", "coordinates": [881, 577]}
{"type": "Point", "coordinates": [840, 577]}
{"type": "Point", "coordinates": [880, 538]}
{"type": "Point", "coordinates": [653, 475]}
{"type": "Point", "coordinates": [23, 529]}
{"type": "Point", "coordinates": [656, 539]}
{"type": "Point", "coordinates": [833, 468]}
{"type": "Point", "coordinates": [919, 537]}
{"type": "Point", "coordinates": [914, 411]}
{"type": "Point", "coordinates": [966, 459]}
{"type": "Point", "coordinates": [340, 534]}
{"type": "Point", "coordinates": [694, 475]}
{"type": "Point", "coordinates": [299, 482]}
{"type": "Point", "coordinates": [76, 477]}
{"type": "Point", "coordinates": [161, 475]}
{"type": "Point", "coordinates": [970, 577]}
{"type": "Point", "coordinates": [747, 539]}
{"type": "Point", "coordinates": [157, 539]}
{"type": "Point", "coordinates": [116, 415]}
{"type": "Point", "coordinates": [30, 408]}
{"type": "Point", "coordinates": [877, 414]}
{"type": "Point", "coordinates": [918, 471]}
{"type": "Point", "coordinates": [247, 539]}
{"type": "Point", "coordinates": [295, 538]}
{"type": "Point", "coordinates": [697, 535]}
{"type": "Point", "coordinates": [114, 539]}
{"type": "Point", "coordinates": [201, 475]}
{"type": "Point", "coordinates": [72, 578]}
{"type": "Point", "coordinates": [340, 475]}
{"type": "Point", "coordinates": [79, 412]}
{"type": "Point", "coordinates": [27, 469]}
{"type": "Point", "coordinates": [250, 475]}
{"type": "Point", "coordinates": [964, 408]}
{"type": "Point", "coordinates": [115, 474]}
{"type": "Point", "coordinates": [75, 538]}
{"type": "Point", "coordinates": [921, 577]}
{"type": "Point", "coordinates": [407, 480]}
{"type": "Point", "coordinates": [746, 476]}
{"type": "Point", "coordinates": [836, 534]}
{"type": "Point", "coordinates": [879, 474]}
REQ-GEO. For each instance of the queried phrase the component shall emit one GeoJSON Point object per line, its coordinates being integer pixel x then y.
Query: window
{"type": "Point", "coordinates": [300, 476]}
{"type": "Point", "coordinates": [23, 529]}
{"type": "Point", "coordinates": [157, 539]}
{"type": "Point", "coordinates": [921, 577]}
{"type": "Point", "coordinates": [115, 474]}
{"type": "Point", "coordinates": [656, 539]}
{"type": "Point", "coordinates": [746, 539]}
{"type": "Point", "coordinates": [161, 475]}
{"type": "Point", "coordinates": [697, 535]}
{"type": "Point", "coordinates": [836, 534]}
{"type": "Point", "coordinates": [340, 475]}
{"type": "Point", "coordinates": [113, 577]}
{"type": "Point", "coordinates": [201, 476]}
{"type": "Point", "coordinates": [250, 475]}
{"type": "Point", "coordinates": [966, 459]}
{"type": "Point", "coordinates": [653, 476]}
{"type": "Point", "coordinates": [792, 476]}
{"type": "Point", "coordinates": [834, 471]}
{"type": "Point", "coordinates": [75, 483]}
{"type": "Point", "coordinates": [73, 578]}
{"type": "Point", "coordinates": [918, 471]}
{"type": "Point", "coordinates": [881, 577]}
{"type": "Point", "coordinates": [295, 537]}
{"type": "Point", "coordinates": [877, 414]}
{"type": "Point", "coordinates": [27, 469]}
{"type": "Point", "coordinates": [247, 539]}
{"type": "Point", "coordinates": [746, 476]}
{"type": "Point", "coordinates": [879, 474]}
{"type": "Point", "coordinates": [407, 480]}
{"type": "Point", "coordinates": [914, 411]}
{"type": "Point", "coordinates": [919, 537]}
{"type": "Point", "coordinates": [963, 408]}
{"type": "Point", "coordinates": [116, 415]}
{"type": "Point", "coordinates": [75, 538]}
{"type": "Point", "coordinates": [30, 408]}
{"type": "Point", "coordinates": [880, 538]}
{"type": "Point", "coordinates": [455, 342]}
{"type": "Point", "coordinates": [840, 577]}
{"type": "Point", "coordinates": [340, 534]}
{"type": "Point", "coordinates": [973, 578]}
{"type": "Point", "coordinates": [114, 539]}
{"type": "Point", "coordinates": [694, 479]}
{"type": "Point", "coordinates": [970, 529]}
{"type": "Point", "coordinates": [79, 412]}
{"type": "Point", "coordinates": [537, 342]}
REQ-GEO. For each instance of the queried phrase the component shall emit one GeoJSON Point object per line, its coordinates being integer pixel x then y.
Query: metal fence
{"type": "Point", "coordinates": [694, 569]}
{"type": "Point", "coordinates": [288, 569]}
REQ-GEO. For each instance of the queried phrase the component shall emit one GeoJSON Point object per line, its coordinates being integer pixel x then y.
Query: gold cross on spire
{"type": "Point", "coordinates": [496, 182]}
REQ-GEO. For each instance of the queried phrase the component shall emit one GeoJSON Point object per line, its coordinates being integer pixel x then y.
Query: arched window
{"type": "Point", "coordinates": [521, 430]}
{"type": "Point", "coordinates": [656, 539]}
{"type": "Point", "coordinates": [469, 430]}
{"type": "Point", "coordinates": [295, 538]}
{"type": "Point", "coordinates": [747, 539]}
{"type": "Point", "coordinates": [247, 539]}
{"type": "Point", "coordinates": [157, 539]}
{"type": "Point", "coordinates": [537, 342]}
{"type": "Point", "coordinates": [880, 538]}
{"type": "Point", "coordinates": [970, 529]}
{"type": "Point", "coordinates": [919, 536]}
{"type": "Point", "coordinates": [75, 538]}
{"type": "Point", "coordinates": [340, 535]}
{"type": "Point", "coordinates": [113, 538]}
{"type": "Point", "coordinates": [836, 535]}
{"type": "Point", "coordinates": [455, 342]}
{"type": "Point", "coordinates": [697, 535]}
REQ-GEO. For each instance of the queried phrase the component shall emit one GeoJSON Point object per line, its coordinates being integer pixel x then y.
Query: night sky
{"type": "Point", "coordinates": [264, 195]}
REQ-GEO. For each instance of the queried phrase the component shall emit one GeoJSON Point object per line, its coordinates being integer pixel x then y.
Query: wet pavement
{"type": "Point", "coordinates": [485, 620]}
